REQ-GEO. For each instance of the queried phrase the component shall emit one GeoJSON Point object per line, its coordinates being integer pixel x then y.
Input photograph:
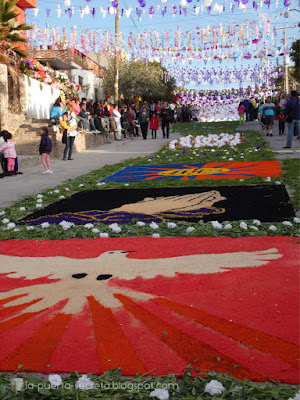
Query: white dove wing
{"type": "Point", "coordinates": [195, 264]}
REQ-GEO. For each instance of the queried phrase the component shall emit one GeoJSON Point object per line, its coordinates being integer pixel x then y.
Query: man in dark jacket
{"type": "Point", "coordinates": [45, 150]}
{"type": "Point", "coordinates": [292, 110]}
{"type": "Point", "coordinates": [166, 117]}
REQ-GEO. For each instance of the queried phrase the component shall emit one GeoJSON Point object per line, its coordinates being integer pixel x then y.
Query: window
{"type": "Point", "coordinates": [80, 80]}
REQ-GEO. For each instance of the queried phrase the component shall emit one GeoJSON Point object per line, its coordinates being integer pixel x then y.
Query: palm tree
{"type": "Point", "coordinates": [10, 30]}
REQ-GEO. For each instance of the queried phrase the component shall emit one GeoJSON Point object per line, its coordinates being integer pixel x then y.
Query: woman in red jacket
{"type": "Point", "coordinates": [154, 125]}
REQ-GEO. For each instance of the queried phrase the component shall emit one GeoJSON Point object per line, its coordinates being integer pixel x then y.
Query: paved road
{"type": "Point", "coordinates": [276, 142]}
{"type": "Point", "coordinates": [33, 181]}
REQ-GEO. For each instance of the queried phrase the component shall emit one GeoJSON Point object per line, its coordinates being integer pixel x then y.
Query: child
{"type": "Point", "coordinates": [73, 124]}
{"type": "Point", "coordinates": [154, 125]}
{"type": "Point", "coordinates": [241, 111]}
{"type": "Point", "coordinates": [9, 152]}
{"type": "Point", "coordinates": [281, 119]}
{"type": "Point", "coordinates": [45, 150]}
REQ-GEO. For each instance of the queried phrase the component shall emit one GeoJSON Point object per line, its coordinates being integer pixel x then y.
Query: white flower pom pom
{"type": "Point", "coordinates": [256, 222]}
{"type": "Point", "coordinates": [55, 380]}
{"type": "Point", "coordinates": [277, 183]}
{"type": "Point", "coordinates": [66, 225]}
{"type": "Point", "coordinates": [272, 228]}
{"type": "Point", "coordinates": [10, 225]}
{"type": "Point", "coordinates": [216, 224]}
{"type": "Point", "coordinates": [153, 225]}
{"type": "Point", "coordinates": [228, 226]}
{"type": "Point", "coordinates": [171, 225]}
{"type": "Point", "coordinates": [95, 230]}
{"type": "Point", "coordinates": [80, 185]}
{"type": "Point", "coordinates": [45, 225]}
{"type": "Point", "coordinates": [140, 223]}
{"type": "Point", "coordinates": [39, 200]}
{"type": "Point", "coordinates": [254, 227]}
{"type": "Point", "coordinates": [268, 179]}
{"type": "Point", "coordinates": [287, 223]}
{"type": "Point", "coordinates": [67, 189]}
{"type": "Point", "coordinates": [2, 212]}
{"type": "Point", "coordinates": [243, 225]}
{"type": "Point", "coordinates": [115, 227]}
{"type": "Point", "coordinates": [39, 205]}
{"type": "Point", "coordinates": [190, 229]}
{"type": "Point", "coordinates": [214, 387]}
{"type": "Point", "coordinates": [104, 235]}
{"type": "Point", "coordinates": [84, 383]}
{"type": "Point", "coordinates": [29, 228]}
{"type": "Point", "coordinates": [56, 191]}
{"type": "Point", "coordinates": [297, 220]}
{"type": "Point", "coordinates": [161, 394]}
{"type": "Point", "coordinates": [62, 197]}
{"type": "Point", "coordinates": [5, 221]}
{"type": "Point", "coordinates": [39, 196]}
{"type": "Point", "coordinates": [22, 208]}
{"type": "Point", "coordinates": [89, 226]}
{"type": "Point", "coordinates": [156, 235]}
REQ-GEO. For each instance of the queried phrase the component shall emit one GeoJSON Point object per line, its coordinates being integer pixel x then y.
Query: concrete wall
{"type": "Point", "coordinates": [94, 83]}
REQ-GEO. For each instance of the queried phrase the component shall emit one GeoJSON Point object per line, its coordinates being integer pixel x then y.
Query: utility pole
{"type": "Point", "coordinates": [286, 58]}
{"type": "Point", "coordinates": [116, 69]}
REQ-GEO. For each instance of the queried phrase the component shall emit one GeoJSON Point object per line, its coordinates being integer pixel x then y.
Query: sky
{"type": "Point", "coordinates": [189, 23]}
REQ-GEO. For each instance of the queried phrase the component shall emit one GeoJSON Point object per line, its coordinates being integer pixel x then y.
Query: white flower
{"type": "Point", "coordinates": [228, 226]}
{"type": "Point", "coordinates": [51, 192]}
{"type": "Point", "coordinates": [45, 225]}
{"type": "Point", "coordinates": [89, 225]}
{"type": "Point", "coordinates": [22, 208]}
{"type": "Point", "coordinates": [5, 221]}
{"type": "Point", "coordinates": [95, 230]}
{"type": "Point", "coordinates": [115, 227]}
{"type": "Point", "coordinates": [84, 383]}
{"type": "Point", "coordinates": [17, 384]}
{"type": "Point", "coordinates": [161, 394]}
{"type": "Point", "coordinates": [254, 227]}
{"type": "Point", "coordinates": [62, 197]}
{"type": "Point", "coordinates": [2, 212]}
{"type": "Point", "coordinates": [140, 223]}
{"type": "Point", "coordinates": [10, 225]}
{"type": "Point", "coordinates": [214, 387]}
{"type": "Point", "coordinates": [126, 184]}
{"type": "Point", "coordinates": [104, 235]}
{"type": "Point", "coordinates": [55, 379]}
{"type": "Point", "coordinates": [287, 223]}
{"type": "Point", "coordinates": [241, 180]}
{"type": "Point", "coordinates": [296, 219]}
{"type": "Point", "coordinates": [272, 228]}
{"type": "Point", "coordinates": [190, 229]}
{"type": "Point", "coordinates": [156, 235]}
{"type": "Point", "coordinates": [153, 225]}
{"type": "Point", "coordinates": [67, 189]}
{"type": "Point", "coordinates": [39, 196]}
{"type": "Point", "coordinates": [16, 230]}
{"type": "Point", "coordinates": [39, 205]}
{"type": "Point", "coordinates": [268, 179]}
{"type": "Point", "coordinates": [66, 225]}
{"type": "Point", "coordinates": [39, 200]}
{"type": "Point", "coordinates": [171, 225]}
{"type": "Point", "coordinates": [29, 228]}
{"type": "Point", "coordinates": [256, 222]}
{"type": "Point", "coordinates": [55, 191]}
{"type": "Point", "coordinates": [277, 183]}
{"type": "Point", "coordinates": [243, 225]}
{"type": "Point", "coordinates": [297, 396]}
{"type": "Point", "coordinates": [216, 224]}
{"type": "Point", "coordinates": [80, 185]}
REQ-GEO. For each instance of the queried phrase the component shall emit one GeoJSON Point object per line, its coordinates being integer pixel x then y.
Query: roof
{"type": "Point", "coordinates": [56, 63]}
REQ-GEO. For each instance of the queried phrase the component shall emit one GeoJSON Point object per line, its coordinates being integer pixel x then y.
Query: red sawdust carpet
{"type": "Point", "coordinates": [143, 304]}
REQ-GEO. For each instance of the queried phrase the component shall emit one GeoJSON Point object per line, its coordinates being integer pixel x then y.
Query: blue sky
{"type": "Point", "coordinates": [185, 23]}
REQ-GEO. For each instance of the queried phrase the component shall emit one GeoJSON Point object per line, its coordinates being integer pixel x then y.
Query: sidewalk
{"type": "Point", "coordinates": [33, 181]}
{"type": "Point", "coordinates": [276, 142]}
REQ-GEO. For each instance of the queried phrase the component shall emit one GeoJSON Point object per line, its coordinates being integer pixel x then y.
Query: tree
{"type": "Point", "coordinates": [295, 56]}
{"type": "Point", "coordinates": [10, 30]}
{"type": "Point", "coordinates": [139, 78]}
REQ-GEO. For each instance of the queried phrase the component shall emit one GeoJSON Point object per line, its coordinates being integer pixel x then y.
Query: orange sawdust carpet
{"type": "Point", "coordinates": [144, 304]}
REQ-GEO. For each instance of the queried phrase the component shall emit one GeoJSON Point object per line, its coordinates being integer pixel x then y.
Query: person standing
{"type": "Point", "coordinates": [144, 122]}
{"type": "Point", "coordinates": [281, 121]}
{"type": "Point", "coordinates": [68, 136]}
{"type": "Point", "coordinates": [166, 117]}
{"type": "Point", "coordinates": [154, 125]}
{"type": "Point", "coordinates": [269, 112]}
{"type": "Point", "coordinates": [292, 111]}
{"type": "Point", "coordinates": [117, 118]}
{"type": "Point", "coordinates": [45, 150]}
{"type": "Point", "coordinates": [9, 152]}
{"type": "Point", "coordinates": [241, 111]}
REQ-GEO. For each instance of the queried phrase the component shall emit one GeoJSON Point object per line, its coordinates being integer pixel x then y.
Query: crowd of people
{"type": "Point", "coordinates": [284, 110]}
